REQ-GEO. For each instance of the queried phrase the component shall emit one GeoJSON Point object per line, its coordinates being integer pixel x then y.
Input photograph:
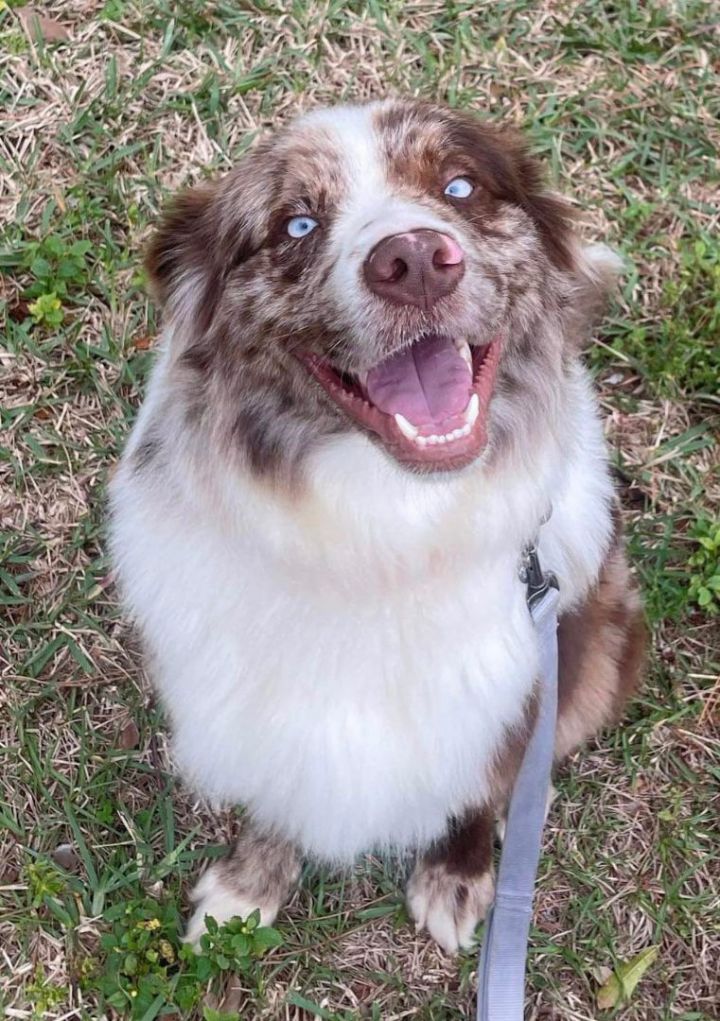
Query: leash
{"type": "Point", "coordinates": [501, 968]}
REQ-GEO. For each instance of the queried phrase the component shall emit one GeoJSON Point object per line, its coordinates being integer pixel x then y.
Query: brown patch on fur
{"type": "Point", "coordinates": [466, 850]}
{"type": "Point", "coordinates": [261, 868]}
{"type": "Point", "coordinates": [601, 653]}
{"type": "Point", "coordinates": [428, 145]}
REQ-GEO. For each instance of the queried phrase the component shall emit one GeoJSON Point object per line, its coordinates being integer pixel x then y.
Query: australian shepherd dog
{"type": "Point", "coordinates": [369, 397]}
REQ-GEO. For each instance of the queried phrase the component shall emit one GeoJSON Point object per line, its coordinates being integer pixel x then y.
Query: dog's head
{"type": "Point", "coordinates": [389, 268]}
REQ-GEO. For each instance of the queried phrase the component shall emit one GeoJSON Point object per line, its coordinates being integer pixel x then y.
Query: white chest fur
{"type": "Point", "coordinates": [350, 722]}
{"type": "Point", "coordinates": [349, 668]}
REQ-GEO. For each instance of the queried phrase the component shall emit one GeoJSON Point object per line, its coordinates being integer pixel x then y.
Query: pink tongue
{"type": "Point", "coordinates": [426, 383]}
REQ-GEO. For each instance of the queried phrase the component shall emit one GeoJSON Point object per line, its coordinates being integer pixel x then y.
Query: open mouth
{"type": "Point", "coordinates": [427, 403]}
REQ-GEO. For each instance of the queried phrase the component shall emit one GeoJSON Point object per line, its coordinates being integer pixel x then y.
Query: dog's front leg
{"type": "Point", "coordinates": [258, 874]}
{"type": "Point", "coordinates": [452, 885]}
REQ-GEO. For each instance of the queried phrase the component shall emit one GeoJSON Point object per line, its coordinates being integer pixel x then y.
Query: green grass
{"type": "Point", "coordinates": [95, 131]}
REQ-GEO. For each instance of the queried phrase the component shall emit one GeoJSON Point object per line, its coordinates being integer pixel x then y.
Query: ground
{"type": "Point", "coordinates": [104, 110]}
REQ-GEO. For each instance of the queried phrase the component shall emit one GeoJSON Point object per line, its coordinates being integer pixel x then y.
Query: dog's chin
{"type": "Point", "coordinates": [427, 404]}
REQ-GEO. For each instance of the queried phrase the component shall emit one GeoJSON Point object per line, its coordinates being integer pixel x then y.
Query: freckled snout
{"type": "Point", "coordinates": [415, 268]}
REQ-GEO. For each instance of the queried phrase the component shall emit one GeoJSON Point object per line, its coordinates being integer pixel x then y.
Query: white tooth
{"type": "Point", "coordinates": [465, 431]}
{"type": "Point", "coordinates": [441, 439]}
{"type": "Point", "coordinates": [464, 350]}
{"type": "Point", "coordinates": [432, 439]}
{"type": "Point", "coordinates": [472, 411]}
{"type": "Point", "coordinates": [421, 441]}
{"type": "Point", "coordinates": [456, 434]}
{"type": "Point", "coordinates": [405, 427]}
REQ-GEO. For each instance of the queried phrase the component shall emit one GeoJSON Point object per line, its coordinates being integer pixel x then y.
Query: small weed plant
{"type": "Point", "coordinates": [705, 567]}
{"type": "Point", "coordinates": [147, 971]}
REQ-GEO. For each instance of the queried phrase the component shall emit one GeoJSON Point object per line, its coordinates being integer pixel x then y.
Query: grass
{"type": "Point", "coordinates": [95, 130]}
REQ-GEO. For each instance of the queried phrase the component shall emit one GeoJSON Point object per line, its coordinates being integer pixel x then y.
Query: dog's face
{"type": "Point", "coordinates": [381, 268]}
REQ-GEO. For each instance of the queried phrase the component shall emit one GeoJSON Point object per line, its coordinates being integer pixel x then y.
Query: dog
{"type": "Point", "coordinates": [368, 398]}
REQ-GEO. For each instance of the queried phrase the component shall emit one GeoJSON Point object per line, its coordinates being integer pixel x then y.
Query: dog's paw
{"type": "Point", "coordinates": [449, 906]}
{"type": "Point", "coordinates": [216, 895]}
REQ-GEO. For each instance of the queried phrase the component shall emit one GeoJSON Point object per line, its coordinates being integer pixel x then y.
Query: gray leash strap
{"type": "Point", "coordinates": [501, 970]}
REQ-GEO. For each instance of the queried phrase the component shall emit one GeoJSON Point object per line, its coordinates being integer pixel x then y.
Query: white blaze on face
{"type": "Point", "coordinates": [372, 207]}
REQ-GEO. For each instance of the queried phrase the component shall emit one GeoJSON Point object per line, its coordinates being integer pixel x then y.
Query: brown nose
{"type": "Point", "coordinates": [415, 268]}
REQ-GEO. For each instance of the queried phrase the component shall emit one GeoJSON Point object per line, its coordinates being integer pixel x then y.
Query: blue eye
{"type": "Point", "coordinates": [459, 188]}
{"type": "Point", "coordinates": [301, 226]}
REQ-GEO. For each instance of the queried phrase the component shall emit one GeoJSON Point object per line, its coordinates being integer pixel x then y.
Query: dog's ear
{"type": "Point", "coordinates": [204, 233]}
{"type": "Point", "coordinates": [182, 257]}
{"type": "Point", "coordinates": [597, 269]}
{"type": "Point", "coordinates": [552, 214]}
{"type": "Point", "coordinates": [600, 267]}
{"type": "Point", "coordinates": [207, 231]}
